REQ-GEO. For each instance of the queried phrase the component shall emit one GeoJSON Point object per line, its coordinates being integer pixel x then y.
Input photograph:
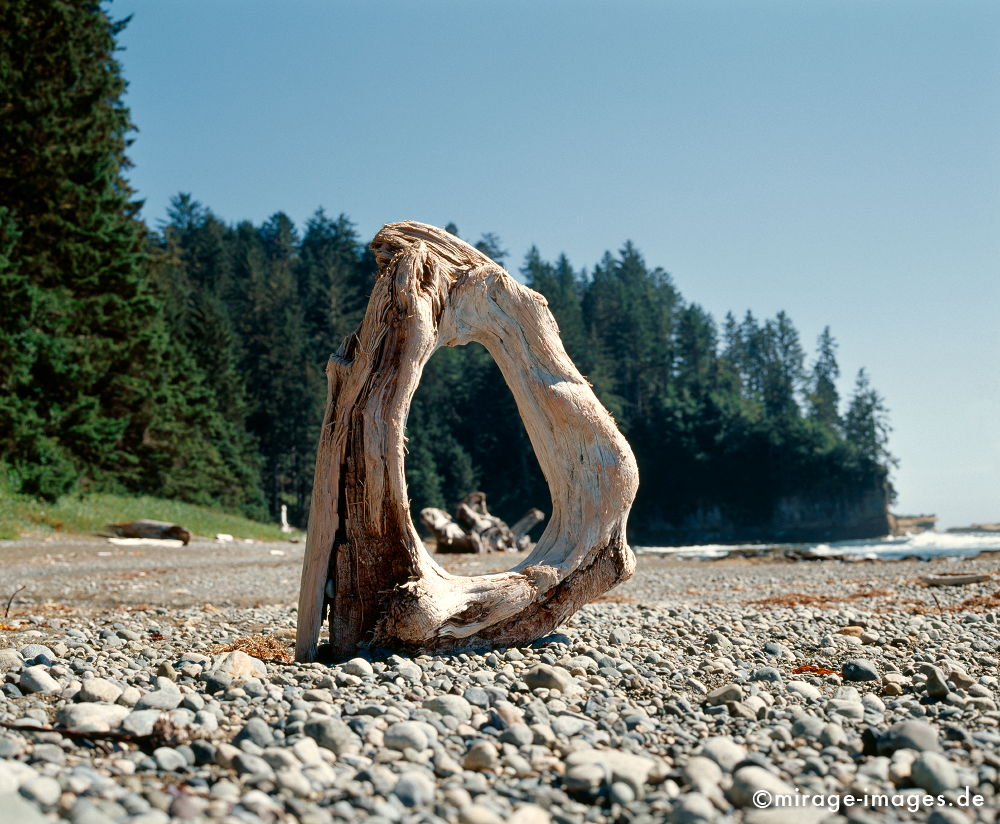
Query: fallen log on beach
{"type": "Point", "coordinates": [160, 530]}
{"type": "Point", "coordinates": [365, 565]}
{"type": "Point", "coordinates": [474, 529]}
{"type": "Point", "coordinates": [955, 579]}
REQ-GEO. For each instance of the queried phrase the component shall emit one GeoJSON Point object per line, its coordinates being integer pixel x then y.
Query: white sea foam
{"type": "Point", "coordinates": [921, 545]}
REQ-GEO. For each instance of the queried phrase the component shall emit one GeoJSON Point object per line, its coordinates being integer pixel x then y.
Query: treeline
{"type": "Point", "coordinates": [187, 360]}
{"type": "Point", "coordinates": [730, 420]}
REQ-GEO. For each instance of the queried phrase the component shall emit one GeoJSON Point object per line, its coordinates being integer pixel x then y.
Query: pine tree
{"type": "Point", "coordinates": [784, 371]}
{"type": "Point", "coordinates": [866, 424]}
{"type": "Point", "coordinates": [206, 408]}
{"type": "Point", "coordinates": [561, 288]}
{"type": "Point", "coordinates": [89, 330]}
{"type": "Point", "coordinates": [334, 279]}
{"type": "Point", "coordinates": [824, 400]}
{"type": "Point", "coordinates": [489, 244]}
{"type": "Point", "coordinates": [695, 343]}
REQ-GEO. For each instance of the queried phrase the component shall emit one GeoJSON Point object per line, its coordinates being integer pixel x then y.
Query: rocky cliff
{"type": "Point", "coordinates": [846, 515]}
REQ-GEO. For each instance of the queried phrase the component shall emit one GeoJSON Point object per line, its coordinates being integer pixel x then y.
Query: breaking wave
{"type": "Point", "coordinates": [890, 548]}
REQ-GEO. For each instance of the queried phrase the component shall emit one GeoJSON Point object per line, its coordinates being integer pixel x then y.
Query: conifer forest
{"type": "Point", "coordinates": [185, 357]}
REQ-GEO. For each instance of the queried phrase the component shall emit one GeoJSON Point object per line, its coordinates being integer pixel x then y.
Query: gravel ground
{"type": "Point", "coordinates": [679, 697]}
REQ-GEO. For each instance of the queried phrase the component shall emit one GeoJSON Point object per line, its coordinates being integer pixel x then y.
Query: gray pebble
{"type": "Point", "coordinates": [415, 789]}
{"type": "Point", "coordinates": [860, 669]}
{"type": "Point", "coordinates": [406, 735]}
{"type": "Point", "coordinates": [37, 679]}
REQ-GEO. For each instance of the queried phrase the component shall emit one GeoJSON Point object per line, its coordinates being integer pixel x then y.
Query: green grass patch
{"type": "Point", "coordinates": [21, 516]}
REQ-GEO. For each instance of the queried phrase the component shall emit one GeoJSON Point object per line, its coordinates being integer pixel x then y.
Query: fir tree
{"type": "Point", "coordinates": [824, 401]}
{"type": "Point", "coordinates": [89, 329]}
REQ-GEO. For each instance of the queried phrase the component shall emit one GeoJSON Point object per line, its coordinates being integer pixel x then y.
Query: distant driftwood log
{"type": "Point", "coordinates": [364, 561]}
{"type": "Point", "coordinates": [476, 530]}
{"type": "Point", "coordinates": [152, 529]}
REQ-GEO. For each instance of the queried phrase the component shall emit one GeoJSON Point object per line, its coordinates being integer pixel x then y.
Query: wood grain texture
{"type": "Point", "coordinates": [364, 560]}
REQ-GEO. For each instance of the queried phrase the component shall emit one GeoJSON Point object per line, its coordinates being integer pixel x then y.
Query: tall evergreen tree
{"type": "Point", "coordinates": [824, 401]}
{"type": "Point", "coordinates": [784, 368]}
{"type": "Point", "coordinates": [561, 288]}
{"type": "Point", "coordinates": [866, 424]}
{"type": "Point", "coordinates": [90, 330]}
{"type": "Point", "coordinates": [489, 244]}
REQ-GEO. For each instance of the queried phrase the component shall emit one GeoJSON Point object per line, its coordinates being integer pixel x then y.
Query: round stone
{"type": "Point", "coordinates": [860, 669]}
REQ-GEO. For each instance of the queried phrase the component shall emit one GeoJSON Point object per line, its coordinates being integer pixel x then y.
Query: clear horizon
{"type": "Point", "coordinates": [839, 161]}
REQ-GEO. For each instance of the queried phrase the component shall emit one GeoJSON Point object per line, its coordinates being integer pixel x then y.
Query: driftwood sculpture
{"type": "Point", "coordinates": [364, 561]}
{"type": "Point", "coordinates": [477, 530]}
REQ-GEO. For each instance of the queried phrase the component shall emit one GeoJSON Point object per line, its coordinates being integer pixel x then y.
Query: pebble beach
{"type": "Point", "coordinates": [149, 684]}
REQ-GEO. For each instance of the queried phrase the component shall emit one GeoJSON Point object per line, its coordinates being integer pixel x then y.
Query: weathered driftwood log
{"type": "Point", "coordinates": [488, 532]}
{"type": "Point", "coordinates": [477, 530]}
{"type": "Point", "coordinates": [152, 529]}
{"type": "Point", "coordinates": [521, 528]}
{"type": "Point", "coordinates": [364, 561]}
{"type": "Point", "coordinates": [448, 535]}
{"type": "Point", "coordinates": [955, 579]}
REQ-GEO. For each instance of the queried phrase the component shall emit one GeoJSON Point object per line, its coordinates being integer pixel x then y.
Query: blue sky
{"type": "Point", "coordinates": [839, 160]}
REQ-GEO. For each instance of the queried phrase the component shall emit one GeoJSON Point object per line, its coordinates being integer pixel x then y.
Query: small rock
{"type": "Point", "coordinates": [332, 734]}
{"type": "Point", "coordinates": [454, 706]}
{"type": "Point", "coordinates": [933, 772]}
{"type": "Point", "coordinates": [415, 789]}
{"type": "Point", "coordinates": [37, 679]}
{"type": "Point", "coordinates": [727, 692]}
{"type": "Point", "coordinates": [936, 685]}
{"type": "Point", "coordinates": [723, 751]}
{"type": "Point", "coordinates": [94, 716]}
{"type": "Point", "coordinates": [860, 669]}
{"type": "Point", "coordinates": [752, 779]}
{"type": "Point", "coordinates": [548, 677]}
{"type": "Point", "coordinates": [359, 667]}
{"type": "Point", "coordinates": [99, 689]}
{"type": "Point", "coordinates": [406, 735]}
{"type": "Point", "coordinates": [914, 735]}
{"type": "Point", "coordinates": [482, 755]}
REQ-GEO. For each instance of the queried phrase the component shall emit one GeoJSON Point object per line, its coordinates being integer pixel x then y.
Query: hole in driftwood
{"type": "Point", "coordinates": [463, 434]}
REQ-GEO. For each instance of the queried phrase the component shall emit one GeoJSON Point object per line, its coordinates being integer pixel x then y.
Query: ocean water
{"type": "Point", "coordinates": [889, 548]}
